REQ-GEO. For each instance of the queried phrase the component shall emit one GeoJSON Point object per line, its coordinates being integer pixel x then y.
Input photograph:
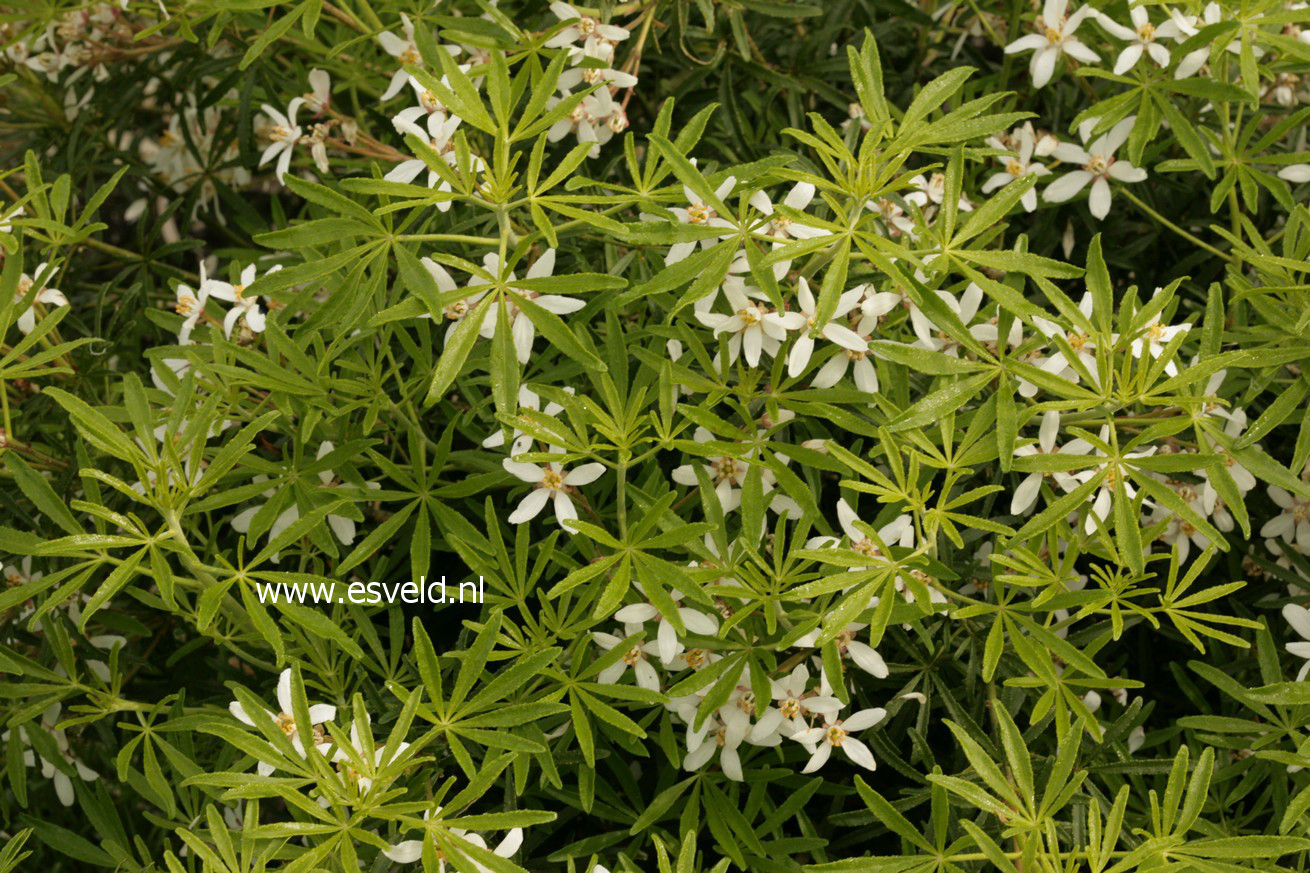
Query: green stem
{"type": "Point", "coordinates": [1194, 240]}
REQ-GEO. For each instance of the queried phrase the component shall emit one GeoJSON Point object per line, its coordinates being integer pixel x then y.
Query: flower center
{"type": "Point", "coordinates": [695, 658]}
{"type": "Point", "coordinates": [1156, 332]}
{"type": "Point", "coordinates": [726, 469]}
{"type": "Point", "coordinates": [618, 122]}
{"type": "Point", "coordinates": [1014, 168]}
{"type": "Point", "coordinates": [835, 735]}
{"type": "Point", "coordinates": [1146, 32]}
{"type": "Point", "coordinates": [699, 213]}
{"type": "Point", "coordinates": [1098, 165]}
{"type": "Point", "coordinates": [591, 75]}
{"type": "Point", "coordinates": [780, 223]}
{"type": "Point", "coordinates": [866, 546]}
{"type": "Point", "coordinates": [790, 708]}
{"type": "Point", "coordinates": [1077, 341]}
{"type": "Point", "coordinates": [751, 315]}
{"type": "Point", "coordinates": [586, 26]}
{"type": "Point", "coordinates": [411, 57]}
{"type": "Point", "coordinates": [286, 722]}
{"type": "Point", "coordinates": [633, 656]}
{"type": "Point", "coordinates": [552, 481]}
{"type": "Point", "coordinates": [746, 703]}
{"type": "Point", "coordinates": [186, 304]}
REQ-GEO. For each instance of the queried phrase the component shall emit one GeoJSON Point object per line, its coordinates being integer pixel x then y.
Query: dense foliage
{"type": "Point", "coordinates": [878, 430]}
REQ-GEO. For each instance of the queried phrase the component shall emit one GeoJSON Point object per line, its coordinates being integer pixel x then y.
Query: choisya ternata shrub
{"type": "Point", "coordinates": [870, 437]}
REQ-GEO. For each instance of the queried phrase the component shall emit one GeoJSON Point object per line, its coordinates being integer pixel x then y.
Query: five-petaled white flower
{"type": "Point", "coordinates": [346, 762]}
{"type": "Point", "coordinates": [521, 327]}
{"type": "Point", "coordinates": [581, 28]}
{"type": "Point", "coordinates": [834, 331]}
{"type": "Point", "coordinates": [1142, 38]}
{"type": "Point", "coordinates": [244, 306]}
{"type": "Point", "coordinates": [753, 326]}
{"type": "Point", "coordinates": [1099, 165]}
{"type": "Point", "coordinates": [283, 136]}
{"type": "Point", "coordinates": [636, 657]}
{"type": "Point", "coordinates": [553, 483]}
{"type": "Point", "coordinates": [1054, 37]}
{"type": "Point", "coordinates": [1155, 336]}
{"type": "Point", "coordinates": [26, 321]}
{"type": "Point", "coordinates": [701, 214]}
{"type": "Point", "coordinates": [836, 733]}
{"type": "Point", "coordinates": [190, 305]}
{"type": "Point", "coordinates": [1018, 165]}
{"type": "Point", "coordinates": [668, 646]}
{"type": "Point", "coordinates": [285, 721]}
{"type": "Point", "coordinates": [782, 229]}
{"type": "Point", "coordinates": [1026, 494]}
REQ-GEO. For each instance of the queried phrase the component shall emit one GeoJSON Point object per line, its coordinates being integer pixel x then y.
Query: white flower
{"type": "Point", "coordinates": [319, 96]}
{"type": "Point", "coordinates": [864, 656]}
{"type": "Point", "coordinates": [934, 338]}
{"type": "Point", "coordinates": [1189, 26]}
{"type": "Point", "coordinates": [754, 327]}
{"type": "Point", "coordinates": [700, 214]}
{"type": "Point", "coordinates": [190, 305]}
{"type": "Point", "coordinates": [726, 739]}
{"type": "Point", "coordinates": [552, 483]}
{"type": "Point", "coordinates": [792, 704]}
{"type": "Point", "coordinates": [668, 646]}
{"type": "Point", "coordinates": [455, 311]}
{"type": "Point", "coordinates": [437, 134]}
{"type": "Point", "coordinates": [898, 532]}
{"type": "Point", "coordinates": [1155, 336]}
{"type": "Point", "coordinates": [1018, 166]}
{"type": "Point", "coordinates": [834, 331]}
{"type": "Point", "coordinates": [1082, 345]}
{"type": "Point", "coordinates": [1053, 38]}
{"type": "Point", "coordinates": [1103, 501]}
{"type": "Point", "coordinates": [1299, 618]}
{"type": "Point", "coordinates": [26, 321]}
{"type": "Point", "coordinates": [836, 734]}
{"type": "Point", "coordinates": [528, 399]}
{"type": "Point", "coordinates": [286, 722]}
{"type": "Point", "coordinates": [929, 192]}
{"type": "Point", "coordinates": [245, 306]}
{"type": "Point", "coordinates": [409, 851]}
{"type": "Point", "coordinates": [1292, 525]}
{"type": "Point", "coordinates": [283, 136]}
{"type": "Point", "coordinates": [346, 763]}
{"type": "Point", "coordinates": [1098, 166]}
{"type": "Point", "coordinates": [636, 657]}
{"type": "Point", "coordinates": [1141, 38]}
{"type": "Point", "coordinates": [611, 77]}
{"type": "Point", "coordinates": [1026, 494]}
{"type": "Point", "coordinates": [595, 120]}
{"type": "Point", "coordinates": [582, 28]}
{"type": "Point", "coordinates": [779, 227]}
{"type": "Point", "coordinates": [342, 526]}
{"type": "Point", "coordinates": [6, 218]}
{"type": "Point", "coordinates": [49, 770]}
{"type": "Point", "coordinates": [728, 474]}
{"type": "Point", "coordinates": [520, 325]}
{"type": "Point", "coordinates": [404, 50]}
